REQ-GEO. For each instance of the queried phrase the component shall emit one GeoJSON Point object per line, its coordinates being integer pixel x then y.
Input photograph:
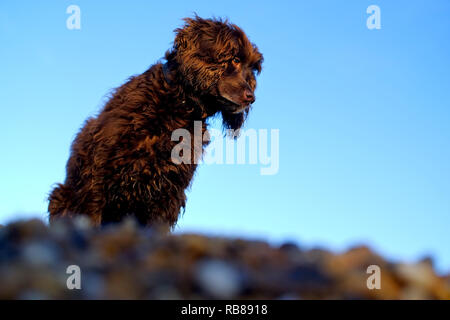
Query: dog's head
{"type": "Point", "coordinates": [216, 60]}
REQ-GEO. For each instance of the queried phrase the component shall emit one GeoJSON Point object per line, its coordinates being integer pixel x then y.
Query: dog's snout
{"type": "Point", "coordinates": [249, 96]}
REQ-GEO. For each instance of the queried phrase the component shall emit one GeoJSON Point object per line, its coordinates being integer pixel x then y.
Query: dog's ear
{"type": "Point", "coordinates": [192, 59]}
{"type": "Point", "coordinates": [180, 41]}
{"type": "Point", "coordinates": [182, 34]}
{"type": "Point", "coordinates": [190, 32]}
{"type": "Point", "coordinates": [257, 60]}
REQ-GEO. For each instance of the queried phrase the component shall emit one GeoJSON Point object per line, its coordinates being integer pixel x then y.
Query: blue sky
{"type": "Point", "coordinates": [363, 115]}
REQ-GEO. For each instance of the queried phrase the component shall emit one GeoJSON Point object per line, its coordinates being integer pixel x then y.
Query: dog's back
{"type": "Point", "coordinates": [70, 198]}
{"type": "Point", "coordinates": [120, 162]}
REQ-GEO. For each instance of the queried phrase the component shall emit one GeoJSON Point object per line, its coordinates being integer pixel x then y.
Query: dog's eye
{"type": "Point", "coordinates": [236, 60]}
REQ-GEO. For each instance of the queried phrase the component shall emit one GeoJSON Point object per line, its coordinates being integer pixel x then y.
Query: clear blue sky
{"type": "Point", "coordinates": [364, 115]}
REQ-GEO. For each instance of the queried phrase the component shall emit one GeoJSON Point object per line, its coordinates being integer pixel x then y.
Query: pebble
{"type": "Point", "coordinates": [125, 261]}
{"type": "Point", "coordinates": [218, 279]}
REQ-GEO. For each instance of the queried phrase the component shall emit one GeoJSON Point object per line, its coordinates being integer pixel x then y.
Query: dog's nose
{"type": "Point", "coordinates": [249, 97]}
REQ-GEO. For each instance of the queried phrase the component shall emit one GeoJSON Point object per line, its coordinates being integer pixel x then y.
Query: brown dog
{"type": "Point", "coordinates": [120, 163]}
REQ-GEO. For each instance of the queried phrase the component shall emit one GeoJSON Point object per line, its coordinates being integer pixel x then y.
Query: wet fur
{"type": "Point", "coordinates": [120, 161]}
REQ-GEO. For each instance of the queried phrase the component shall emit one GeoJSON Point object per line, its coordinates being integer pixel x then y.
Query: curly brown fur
{"type": "Point", "coordinates": [120, 163]}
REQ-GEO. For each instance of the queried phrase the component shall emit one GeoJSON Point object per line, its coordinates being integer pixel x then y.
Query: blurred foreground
{"type": "Point", "coordinates": [128, 262]}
